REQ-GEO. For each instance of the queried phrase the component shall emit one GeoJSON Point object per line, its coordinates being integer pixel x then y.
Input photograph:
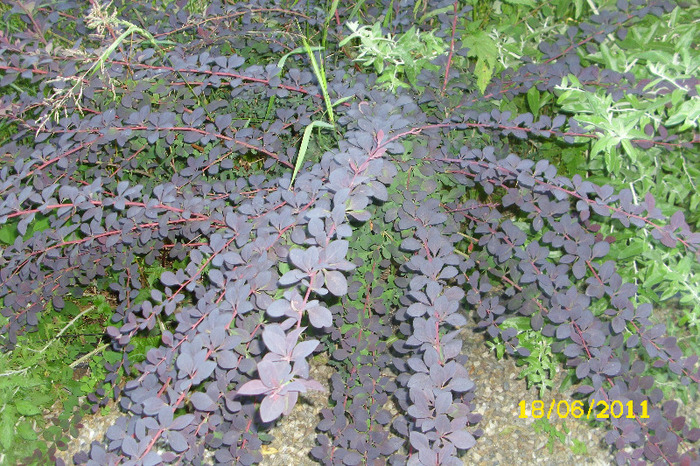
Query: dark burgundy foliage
{"type": "Point", "coordinates": [268, 273]}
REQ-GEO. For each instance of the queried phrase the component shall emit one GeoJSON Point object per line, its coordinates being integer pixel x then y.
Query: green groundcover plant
{"type": "Point", "coordinates": [197, 197]}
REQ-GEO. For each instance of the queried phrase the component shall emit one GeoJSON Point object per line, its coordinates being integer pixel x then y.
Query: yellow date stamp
{"type": "Point", "coordinates": [576, 409]}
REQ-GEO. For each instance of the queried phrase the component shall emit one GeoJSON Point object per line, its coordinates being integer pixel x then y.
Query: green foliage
{"type": "Point", "coordinates": [483, 47]}
{"type": "Point", "coordinates": [320, 73]}
{"type": "Point", "coordinates": [193, 7]}
{"type": "Point", "coordinates": [578, 447]}
{"type": "Point", "coordinates": [658, 50]}
{"type": "Point", "coordinates": [544, 426]}
{"type": "Point", "coordinates": [197, 7]}
{"type": "Point", "coordinates": [541, 364]}
{"type": "Point", "coordinates": [304, 146]}
{"type": "Point", "coordinates": [45, 378]}
{"type": "Point", "coordinates": [537, 101]}
{"type": "Point", "coordinates": [397, 60]}
{"type": "Point", "coordinates": [48, 372]}
{"type": "Point", "coordinates": [498, 34]}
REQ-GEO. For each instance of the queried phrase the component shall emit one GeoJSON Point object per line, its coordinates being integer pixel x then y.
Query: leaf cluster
{"type": "Point", "coordinates": [426, 208]}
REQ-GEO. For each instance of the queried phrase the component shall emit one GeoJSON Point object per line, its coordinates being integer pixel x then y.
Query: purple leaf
{"type": "Point", "coordinates": [279, 308]}
{"type": "Point", "coordinates": [181, 422]}
{"type": "Point", "coordinates": [272, 407]}
{"type": "Point", "coordinates": [336, 282]}
{"type": "Point", "coordinates": [253, 387]}
{"type": "Point", "coordinates": [202, 402]}
{"type": "Point", "coordinates": [227, 360]}
{"type": "Point", "coordinates": [303, 349]}
{"type": "Point", "coordinates": [177, 441]}
{"type": "Point", "coordinates": [336, 251]}
{"type": "Point", "coordinates": [275, 339]}
{"type": "Point", "coordinates": [419, 441]}
{"type": "Point", "coordinates": [169, 279]}
{"type": "Point", "coordinates": [462, 439]}
{"type": "Point", "coordinates": [320, 316]}
{"type": "Point", "coordinates": [129, 446]}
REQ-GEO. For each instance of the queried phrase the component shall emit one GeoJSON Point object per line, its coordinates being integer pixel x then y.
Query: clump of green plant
{"type": "Point", "coordinates": [48, 372]}
{"type": "Point", "coordinates": [397, 59]}
{"type": "Point", "coordinates": [541, 364]}
{"type": "Point", "coordinates": [543, 425]}
{"type": "Point", "coordinates": [657, 52]}
{"type": "Point", "coordinates": [53, 369]}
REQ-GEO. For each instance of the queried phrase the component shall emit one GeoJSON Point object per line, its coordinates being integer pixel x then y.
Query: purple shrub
{"type": "Point", "coordinates": [359, 258]}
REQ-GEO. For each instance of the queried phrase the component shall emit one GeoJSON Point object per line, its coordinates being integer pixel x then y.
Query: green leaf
{"type": "Point", "coordinates": [634, 248]}
{"type": "Point", "coordinates": [304, 146]}
{"type": "Point", "coordinates": [607, 144]}
{"type": "Point", "coordinates": [343, 100]}
{"type": "Point", "coordinates": [689, 112]}
{"type": "Point", "coordinates": [436, 12]}
{"type": "Point", "coordinates": [533, 100]}
{"type": "Point", "coordinates": [483, 74]}
{"type": "Point", "coordinates": [672, 290]}
{"type": "Point", "coordinates": [529, 3]}
{"type": "Point", "coordinates": [7, 428]}
{"type": "Point", "coordinates": [612, 161]}
{"type": "Point", "coordinates": [567, 382]}
{"type": "Point", "coordinates": [482, 46]}
{"type": "Point", "coordinates": [320, 73]}
{"type": "Point", "coordinates": [630, 150]}
{"type": "Point", "coordinates": [8, 233]}
{"type": "Point", "coordinates": [27, 408]}
{"type": "Point", "coordinates": [40, 223]}
{"type": "Point", "coordinates": [25, 431]}
{"type": "Point", "coordinates": [578, 447]}
{"type": "Point", "coordinates": [654, 276]}
{"type": "Point", "coordinates": [112, 356]}
{"type": "Point", "coordinates": [694, 202]}
{"type": "Point", "coordinates": [519, 323]}
{"type": "Point", "coordinates": [71, 309]}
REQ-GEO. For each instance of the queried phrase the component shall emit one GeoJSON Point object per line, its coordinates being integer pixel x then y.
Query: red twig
{"type": "Point", "coordinates": [452, 49]}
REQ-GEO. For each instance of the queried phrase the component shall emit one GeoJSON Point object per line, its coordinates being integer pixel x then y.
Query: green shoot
{"type": "Point", "coordinates": [305, 144]}
{"type": "Point", "coordinates": [320, 73]}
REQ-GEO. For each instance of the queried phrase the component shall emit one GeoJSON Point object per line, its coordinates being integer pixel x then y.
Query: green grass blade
{"type": "Point", "coordinates": [321, 76]}
{"type": "Point", "coordinates": [304, 145]}
{"type": "Point", "coordinates": [283, 60]}
{"type": "Point", "coordinates": [344, 99]}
